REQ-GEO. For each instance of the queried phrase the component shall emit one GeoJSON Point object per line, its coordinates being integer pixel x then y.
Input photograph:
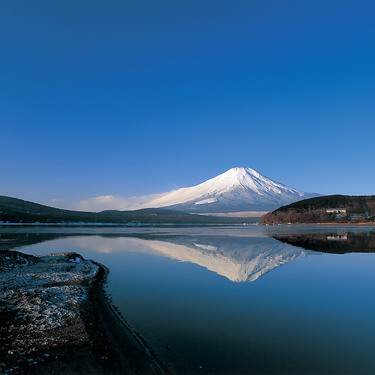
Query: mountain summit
{"type": "Point", "coordinates": [238, 189]}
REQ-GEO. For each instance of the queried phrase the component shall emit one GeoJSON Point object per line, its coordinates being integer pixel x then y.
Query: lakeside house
{"type": "Point", "coordinates": [337, 211]}
{"type": "Point", "coordinates": [341, 213]}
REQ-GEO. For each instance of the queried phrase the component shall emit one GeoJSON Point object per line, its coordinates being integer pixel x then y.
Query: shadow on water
{"type": "Point", "coordinates": [335, 243]}
{"type": "Point", "coordinates": [10, 241]}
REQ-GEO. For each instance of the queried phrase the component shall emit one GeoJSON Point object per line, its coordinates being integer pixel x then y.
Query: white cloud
{"type": "Point", "coordinates": [113, 202]}
{"type": "Point", "coordinates": [54, 200]}
{"type": "Point", "coordinates": [104, 202]}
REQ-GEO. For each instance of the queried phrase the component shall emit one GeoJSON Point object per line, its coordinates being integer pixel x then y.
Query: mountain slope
{"type": "Point", "coordinates": [238, 189]}
{"type": "Point", "coordinates": [15, 210]}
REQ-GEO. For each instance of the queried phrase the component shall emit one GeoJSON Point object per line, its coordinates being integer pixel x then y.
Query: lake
{"type": "Point", "coordinates": [235, 300]}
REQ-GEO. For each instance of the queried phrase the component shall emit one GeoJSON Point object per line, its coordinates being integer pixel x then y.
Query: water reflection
{"type": "Point", "coordinates": [239, 259]}
{"type": "Point", "coordinates": [338, 243]}
{"type": "Point", "coordinates": [311, 316]}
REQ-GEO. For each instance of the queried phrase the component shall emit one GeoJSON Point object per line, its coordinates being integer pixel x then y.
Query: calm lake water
{"type": "Point", "coordinates": [236, 300]}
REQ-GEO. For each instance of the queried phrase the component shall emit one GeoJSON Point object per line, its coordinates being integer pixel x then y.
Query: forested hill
{"type": "Point", "coordinates": [326, 209]}
{"type": "Point", "coordinates": [15, 210]}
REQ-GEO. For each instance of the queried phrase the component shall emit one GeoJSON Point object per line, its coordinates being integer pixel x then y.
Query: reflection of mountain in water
{"type": "Point", "coordinates": [338, 243]}
{"type": "Point", "coordinates": [238, 259]}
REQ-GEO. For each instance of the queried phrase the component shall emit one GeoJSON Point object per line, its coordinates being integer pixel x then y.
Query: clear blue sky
{"type": "Point", "coordinates": [138, 97]}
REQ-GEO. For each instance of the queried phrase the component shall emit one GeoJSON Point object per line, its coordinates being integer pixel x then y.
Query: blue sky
{"type": "Point", "coordinates": [138, 97]}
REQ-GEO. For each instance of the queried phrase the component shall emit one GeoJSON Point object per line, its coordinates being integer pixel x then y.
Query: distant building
{"type": "Point", "coordinates": [336, 211]}
{"type": "Point", "coordinates": [337, 237]}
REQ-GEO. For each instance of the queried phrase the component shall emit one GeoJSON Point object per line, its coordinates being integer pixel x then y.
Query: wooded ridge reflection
{"type": "Point", "coordinates": [338, 243]}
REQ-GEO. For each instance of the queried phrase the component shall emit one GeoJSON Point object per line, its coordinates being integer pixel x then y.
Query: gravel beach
{"type": "Point", "coordinates": [55, 318]}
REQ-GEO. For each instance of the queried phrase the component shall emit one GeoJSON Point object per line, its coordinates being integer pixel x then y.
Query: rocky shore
{"type": "Point", "coordinates": [55, 318]}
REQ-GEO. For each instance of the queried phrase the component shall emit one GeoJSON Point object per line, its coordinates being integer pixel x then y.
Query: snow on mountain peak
{"type": "Point", "coordinates": [237, 189]}
{"type": "Point", "coordinates": [246, 178]}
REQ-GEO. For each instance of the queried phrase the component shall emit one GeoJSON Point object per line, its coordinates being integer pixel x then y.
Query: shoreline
{"type": "Point", "coordinates": [133, 352]}
{"type": "Point", "coordinates": [56, 318]}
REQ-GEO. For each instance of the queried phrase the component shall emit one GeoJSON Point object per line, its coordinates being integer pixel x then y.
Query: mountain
{"type": "Point", "coordinates": [15, 210]}
{"type": "Point", "coordinates": [238, 189]}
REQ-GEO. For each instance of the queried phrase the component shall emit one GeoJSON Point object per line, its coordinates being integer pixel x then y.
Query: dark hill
{"type": "Point", "coordinates": [15, 210]}
{"type": "Point", "coordinates": [326, 209]}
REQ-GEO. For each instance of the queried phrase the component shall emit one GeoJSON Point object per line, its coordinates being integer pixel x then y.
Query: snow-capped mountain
{"type": "Point", "coordinates": [238, 189]}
